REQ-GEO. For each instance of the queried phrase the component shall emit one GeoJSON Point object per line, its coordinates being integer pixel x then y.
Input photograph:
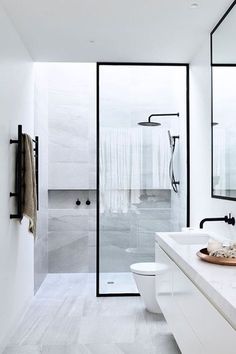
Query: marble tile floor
{"type": "Point", "coordinates": [65, 317]}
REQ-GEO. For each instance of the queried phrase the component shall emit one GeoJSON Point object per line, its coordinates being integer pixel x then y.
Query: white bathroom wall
{"type": "Point", "coordinates": [16, 244]}
{"type": "Point", "coordinates": [202, 205]}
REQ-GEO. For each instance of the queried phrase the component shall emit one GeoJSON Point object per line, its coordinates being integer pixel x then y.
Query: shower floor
{"type": "Point", "coordinates": [111, 283]}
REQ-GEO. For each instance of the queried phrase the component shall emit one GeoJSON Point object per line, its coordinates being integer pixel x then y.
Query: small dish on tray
{"type": "Point", "coordinates": [204, 255]}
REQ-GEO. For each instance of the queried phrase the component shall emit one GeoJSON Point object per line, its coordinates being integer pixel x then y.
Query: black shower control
{"type": "Point", "coordinates": [88, 202]}
{"type": "Point", "coordinates": [78, 202]}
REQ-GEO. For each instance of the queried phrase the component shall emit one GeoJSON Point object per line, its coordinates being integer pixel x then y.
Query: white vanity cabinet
{"type": "Point", "coordinates": [196, 324]}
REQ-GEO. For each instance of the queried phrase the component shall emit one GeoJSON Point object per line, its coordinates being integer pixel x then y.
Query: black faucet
{"type": "Point", "coordinates": [227, 219]}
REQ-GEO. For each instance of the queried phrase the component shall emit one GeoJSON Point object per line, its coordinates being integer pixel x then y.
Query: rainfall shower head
{"type": "Point", "coordinates": [156, 124]}
{"type": "Point", "coordinates": [149, 124]}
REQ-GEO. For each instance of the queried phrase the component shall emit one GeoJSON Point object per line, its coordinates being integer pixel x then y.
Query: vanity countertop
{"type": "Point", "coordinates": [216, 282]}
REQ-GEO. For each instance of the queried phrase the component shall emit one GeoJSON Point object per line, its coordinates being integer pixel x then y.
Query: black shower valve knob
{"type": "Point", "coordinates": [88, 202]}
{"type": "Point", "coordinates": [78, 202]}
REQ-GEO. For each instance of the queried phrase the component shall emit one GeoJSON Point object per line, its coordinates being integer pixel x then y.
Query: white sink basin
{"type": "Point", "coordinates": [189, 238]}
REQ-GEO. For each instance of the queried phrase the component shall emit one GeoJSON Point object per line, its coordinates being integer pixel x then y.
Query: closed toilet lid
{"type": "Point", "coordinates": [148, 268]}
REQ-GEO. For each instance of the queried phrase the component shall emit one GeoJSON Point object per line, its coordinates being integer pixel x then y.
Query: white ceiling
{"type": "Point", "coordinates": [122, 30]}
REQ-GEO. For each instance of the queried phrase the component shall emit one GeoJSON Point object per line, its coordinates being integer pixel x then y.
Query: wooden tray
{"type": "Point", "coordinates": [203, 254]}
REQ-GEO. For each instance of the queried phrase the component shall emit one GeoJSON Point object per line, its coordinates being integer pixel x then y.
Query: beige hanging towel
{"type": "Point", "coordinates": [29, 194]}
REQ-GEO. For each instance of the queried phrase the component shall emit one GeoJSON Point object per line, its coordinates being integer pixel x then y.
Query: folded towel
{"type": "Point", "coordinates": [29, 194]}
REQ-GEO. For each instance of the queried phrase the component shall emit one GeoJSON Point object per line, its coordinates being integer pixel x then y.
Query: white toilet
{"type": "Point", "coordinates": [145, 276]}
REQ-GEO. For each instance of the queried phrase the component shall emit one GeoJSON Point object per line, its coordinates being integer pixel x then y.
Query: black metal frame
{"type": "Point", "coordinates": [186, 65]}
{"type": "Point", "coordinates": [212, 110]}
{"type": "Point", "coordinates": [20, 169]}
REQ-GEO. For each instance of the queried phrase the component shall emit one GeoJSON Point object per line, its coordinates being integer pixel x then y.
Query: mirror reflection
{"type": "Point", "coordinates": [224, 108]}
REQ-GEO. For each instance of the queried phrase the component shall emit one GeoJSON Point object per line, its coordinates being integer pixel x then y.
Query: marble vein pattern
{"type": "Point", "coordinates": [125, 238]}
{"type": "Point", "coordinates": [72, 131]}
{"type": "Point", "coordinates": [65, 317]}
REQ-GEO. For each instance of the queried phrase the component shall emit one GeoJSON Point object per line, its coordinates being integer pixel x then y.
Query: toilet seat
{"type": "Point", "coordinates": [148, 268]}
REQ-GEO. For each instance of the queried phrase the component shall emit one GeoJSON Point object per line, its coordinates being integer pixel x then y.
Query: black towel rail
{"type": "Point", "coordinates": [36, 150]}
{"type": "Point", "coordinates": [18, 193]}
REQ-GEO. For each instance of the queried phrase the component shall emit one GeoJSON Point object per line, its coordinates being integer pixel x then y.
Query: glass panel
{"type": "Point", "coordinates": [136, 198]}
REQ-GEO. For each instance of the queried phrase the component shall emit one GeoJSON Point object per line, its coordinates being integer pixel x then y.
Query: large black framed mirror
{"type": "Point", "coordinates": [223, 106]}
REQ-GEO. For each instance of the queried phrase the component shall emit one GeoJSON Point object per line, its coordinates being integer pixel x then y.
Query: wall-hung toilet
{"type": "Point", "coordinates": [145, 276]}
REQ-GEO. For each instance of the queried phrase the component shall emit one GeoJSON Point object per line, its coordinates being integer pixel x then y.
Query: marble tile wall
{"type": "Point", "coordinates": [72, 167]}
{"type": "Point", "coordinates": [72, 231]}
{"type": "Point", "coordinates": [72, 127]}
{"type": "Point", "coordinates": [125, 238]}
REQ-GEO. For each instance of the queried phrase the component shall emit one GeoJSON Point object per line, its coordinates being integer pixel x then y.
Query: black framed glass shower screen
{"type": "Point", "coordinates": [135, 196]}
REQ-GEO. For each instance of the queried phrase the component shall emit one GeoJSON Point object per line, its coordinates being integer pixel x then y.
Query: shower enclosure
{"type": "Point", "coordinates": [142, 164]}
